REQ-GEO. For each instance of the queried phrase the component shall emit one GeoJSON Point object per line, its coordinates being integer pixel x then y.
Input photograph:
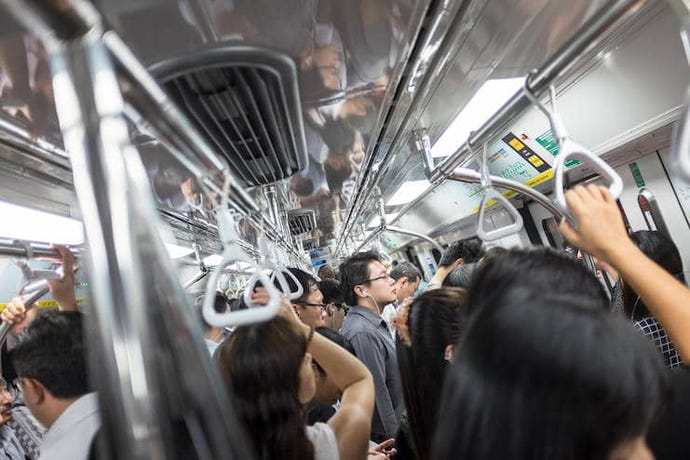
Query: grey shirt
{"type": "Point", "coordinates": [369, 336]}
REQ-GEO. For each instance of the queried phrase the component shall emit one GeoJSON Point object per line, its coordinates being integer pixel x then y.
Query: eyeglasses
{"type": "Point", "coordinates": [375, 279]}
{"type": "Point", "coordinates": [307, 304]}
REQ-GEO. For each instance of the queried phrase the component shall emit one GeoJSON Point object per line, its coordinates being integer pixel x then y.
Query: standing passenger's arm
{"type": "Point", "coordinates": [601, 232]}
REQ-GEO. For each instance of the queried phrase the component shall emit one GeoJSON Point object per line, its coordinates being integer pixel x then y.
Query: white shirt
{"type": "Point", "coordinates": [70, 436]}
{"type": "Point", "coordinates": [389, 313]}
{"type": "Point", "coordinates": [323, 439]}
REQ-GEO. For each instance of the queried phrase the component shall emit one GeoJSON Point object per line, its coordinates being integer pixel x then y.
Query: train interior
{"type": "Point", "coordinates": [183, 146]}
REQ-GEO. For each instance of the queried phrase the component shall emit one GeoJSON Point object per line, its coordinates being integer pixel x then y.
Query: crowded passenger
{"type": "Point", "coordinates": [664, 252]}
{"type": "Point", "coordinates": [406, 279]}
{"type": "Point", "coordinates": [310, 307]}
{"type": "Point", "coordinates": [460, 277]}
{"type": "Point", "coordinates": [461, 252]}
{"type": "Point", "coordinates": [335, 304]}
{"type": "Point", "coordinates": [51, 364]}
{"type": "Point", "coordinates": [268, 370]}
{"type": "Point", "coordinates": [367, 288]}
{"type": "Point", "coordinates": [322, 407]}
{"type": "Point", "coordinates": [429, 328]}
{"type": "Point", "coordinates": [212, 335]}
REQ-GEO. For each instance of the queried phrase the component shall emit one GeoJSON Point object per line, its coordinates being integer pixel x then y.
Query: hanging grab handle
{"type": "Point", "coordinates": [279, 272]}
{"type": "Point", "coordinates": [489, 193]}
{"type": "Point", "coordinates": [502, 232]}
{"type": "Point", "coordinates": [569, 149]}
{"type": "Point", "coordinates": [233, 253]}
{"type": "Point", "coordinates": [680, 153]}
{"type": "Point", "coordinates": [283, 272]}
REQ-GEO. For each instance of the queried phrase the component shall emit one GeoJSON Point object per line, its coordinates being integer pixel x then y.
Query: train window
{"type": "Point", "coordinates": [24, 223]}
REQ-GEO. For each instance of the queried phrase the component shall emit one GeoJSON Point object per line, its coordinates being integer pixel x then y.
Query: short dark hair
{"type": "Point", "coordinates": [460, 277]}
{"type": "Point", "coordinates": [354, 271]}
{"type": "Point", "coordinates": [220, 305]}
{"type": "Point", "coordinates": [306, 281]}
{"type": "Point", "coordinates": [331, 291]}
{"type": "Point", "coordinates": [469, 250]}
{"type": "Point", "coordinates": [662, 250]}
{"type": "Point", "coordinates": [51, 350]}
{"type": "Point", "coordinates": [406, 269]}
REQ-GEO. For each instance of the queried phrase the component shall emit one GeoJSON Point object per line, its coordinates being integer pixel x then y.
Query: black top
{"type": "Point", "coordinates": [669, 436]}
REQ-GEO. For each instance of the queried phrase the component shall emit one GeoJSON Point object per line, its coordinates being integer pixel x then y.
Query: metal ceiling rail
{"type": "Point", "coordinates": [150, 407]}
{"type": "Point", "coordinates": [31, 250]}
{"type": "Point", "coordinates": [426, 51]}
{"type": "Point", "coordinates": [589, 36]}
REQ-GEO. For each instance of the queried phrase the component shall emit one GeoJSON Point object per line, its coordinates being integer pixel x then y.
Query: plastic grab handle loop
{"type": "Point", "coordinates": [491, 235]}
{"type": "Point", "coordinates": [280, 273]}
{"type": "Point", "coordinates": [570, 149]}
{"type": "Point", "coordinates": [233, 253]}
{"type": "Point", "coordinates": [488, 194]}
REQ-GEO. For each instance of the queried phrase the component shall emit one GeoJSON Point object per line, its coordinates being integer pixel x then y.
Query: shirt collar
{"type": "Point", "coordinates": [367, 314]}
{"type": "Point", "coordinates": [80, 409]}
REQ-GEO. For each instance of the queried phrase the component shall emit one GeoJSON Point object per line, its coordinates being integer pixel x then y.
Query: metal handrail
{"type": "Point", "coordinates": [589, 36]}
{"type": "Point", "coordinates": [680, 151]}
{"type": "Point", "coordinates": [33, 250]}
{"type": "Point", "coordinates": [567, 148]}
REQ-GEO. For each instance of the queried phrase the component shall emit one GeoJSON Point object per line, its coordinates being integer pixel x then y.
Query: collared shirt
{"type": "Point", "coordinates": [389, 313]}
{"type": "Point", "coordinates": [210, 346]}
{"type": "Point", "coordinates": [369, 336]}
{"type": "Point", "coordinates": [70, 436]}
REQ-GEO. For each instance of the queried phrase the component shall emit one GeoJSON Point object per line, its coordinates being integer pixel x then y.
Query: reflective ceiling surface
{"type": "Point", "coordinates": [349, 55]}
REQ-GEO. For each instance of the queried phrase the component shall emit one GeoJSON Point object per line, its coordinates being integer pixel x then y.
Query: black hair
{"type": "Point", "coordinates": [406, 269]}
{"type": "Point", "coordinates": [469, 250]}
{"type": "Point", "coordinates": [220, 305]}
{"type": "Point", "coordinates": [435, 320]}
{"type": "Point", "coordinates": [495, 251]}
{"type": "Point", "coordinates": [331, 291]}
{"type": "Point", "coordinates": [326, 272]}
{"type": "Point", "coordinates": [544, 269]}
{"type": "Point", "coordinates": [338, 136]}
{"type": "Point", "coordinates": [302, 185]}
{"type": "Point", "coordinates": [337, 339]}
{"type": "Point", "coordinates": [355, 271]}
{"type": "Point", "coordinates": [460, 277]}
{"type": "Point", "coordinates": [540, 376]}
{"type": "Point", "coordinates": [260, 364]}
{"type": "Point", "coordinates": [306, 281]}
{"type": "Point", "coordinates": [51, 350]}
{"type": "Point", "coordinates": [663, 251]}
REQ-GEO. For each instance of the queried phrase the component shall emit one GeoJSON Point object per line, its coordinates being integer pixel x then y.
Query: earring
{"type": "Point", "coordinates": [448, 356]}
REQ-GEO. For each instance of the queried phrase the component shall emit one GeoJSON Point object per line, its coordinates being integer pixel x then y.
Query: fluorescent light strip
{"type": "Point", "coordinates": [408, 191]}
{"type": "Point", "coordinates": [19, 222]}
{"type": "Point", "coordinates": [486, 101]}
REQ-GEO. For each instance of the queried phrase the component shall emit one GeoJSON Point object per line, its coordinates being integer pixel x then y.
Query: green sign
{"type": "Point", "coordinates": [637, 175]}
{"type": "Point", "coordinates": [550, 143]}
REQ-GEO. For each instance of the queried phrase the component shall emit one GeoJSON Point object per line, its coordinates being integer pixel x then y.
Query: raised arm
{"type": "Point", "coordinates": [352, 423]}
{"type": "Point", "coordinates": [63, 288]}
{"type": "Point", "coordinates": [601, 232]}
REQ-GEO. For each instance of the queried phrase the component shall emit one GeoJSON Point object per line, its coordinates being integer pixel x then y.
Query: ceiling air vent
{"type": "Point", "coordinates": [245, 100]}
{"type": "Point", "coordinates": [301, 221]}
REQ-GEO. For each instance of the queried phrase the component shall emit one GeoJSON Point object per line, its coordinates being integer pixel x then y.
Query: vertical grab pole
{"type": "Point", "coordinates": [146, 357]}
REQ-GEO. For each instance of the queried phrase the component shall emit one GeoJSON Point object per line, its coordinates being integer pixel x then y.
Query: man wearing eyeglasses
{"type": "Point", "coordinates": [367, 288]}
{"type": "Point", "coordinates": [310, 307]}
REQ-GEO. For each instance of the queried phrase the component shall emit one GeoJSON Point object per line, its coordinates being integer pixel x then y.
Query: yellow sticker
{"type": "Point", "coordinates": [46, 303]}
{"type": "Point", "coordinates": [535, 160]}
{"type": "Point", "coordinates": [543, 177]}
{"type": "Point", "coordinates": [517, 145]}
